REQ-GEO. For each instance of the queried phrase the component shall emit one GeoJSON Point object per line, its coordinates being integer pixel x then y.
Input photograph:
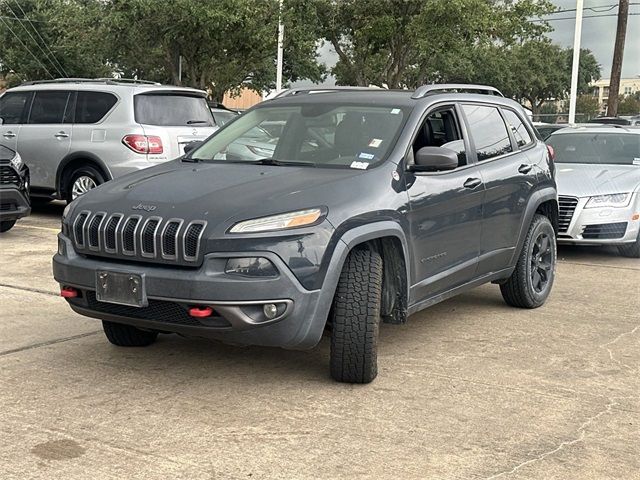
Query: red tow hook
{"type": "Point", "coordinates": [201, 312]}
{"type": "Point", "coordinates": [68, 292]}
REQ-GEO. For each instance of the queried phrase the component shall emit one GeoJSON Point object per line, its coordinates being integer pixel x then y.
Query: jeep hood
{"type": "Point", "coordinates": [219, 193]}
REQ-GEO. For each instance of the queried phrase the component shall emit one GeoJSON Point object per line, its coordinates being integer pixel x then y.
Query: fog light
{"type": "Point", "coordinates": [270, 310]}
{"type": "Point", "coordinates": [251, 267]}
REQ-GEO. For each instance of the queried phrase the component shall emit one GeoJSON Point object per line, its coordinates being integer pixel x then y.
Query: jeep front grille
{"type": "Point", "coordinates": [151, 238]}
{"type": "Point", "coordinates": [567, 208]}
{"type": "Point", "coordinates": [8, 176]}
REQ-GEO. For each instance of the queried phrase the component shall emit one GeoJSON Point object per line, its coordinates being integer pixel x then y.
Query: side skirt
{"type": "Point", "coordinates": [490, 277]}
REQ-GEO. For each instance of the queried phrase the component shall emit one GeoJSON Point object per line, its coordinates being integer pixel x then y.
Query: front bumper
{"type": "Point", "coordinates": [602, 226]}
{"type": "Point", "coordinates": [14, 204]}
{"type": "Point", "coordinates": [236, 301]}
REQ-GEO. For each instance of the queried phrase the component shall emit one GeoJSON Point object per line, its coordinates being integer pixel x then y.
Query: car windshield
{"type": "Point", "coordinates": [614, 148]}
{"type": "Point", "coordinates": [222, 116]}
{"type": "Point", "coordinates": [171, 110]}
{"type": "Point", "coordinates": [319, 135]}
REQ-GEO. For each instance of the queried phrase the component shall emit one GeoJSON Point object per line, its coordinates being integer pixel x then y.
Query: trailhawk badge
{"type": "Point", "coordinates": [146, 208]}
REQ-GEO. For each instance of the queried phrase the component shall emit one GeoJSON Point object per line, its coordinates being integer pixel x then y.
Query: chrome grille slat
{"type": "Point", "coordinates": [567, 207]}
{"type": "Point", "coordinates": [133, 236]}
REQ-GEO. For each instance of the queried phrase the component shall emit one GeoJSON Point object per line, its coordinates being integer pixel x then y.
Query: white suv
{"type": "Point", "coordinates": [75, 134]}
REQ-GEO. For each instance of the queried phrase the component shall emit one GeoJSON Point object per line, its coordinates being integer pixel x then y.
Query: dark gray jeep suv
{"type": "Point", "coordinates": [369, 205]}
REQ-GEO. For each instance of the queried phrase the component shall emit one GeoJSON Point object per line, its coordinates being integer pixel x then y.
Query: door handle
{"type": "Point", "coordinates": [61, 135]}
{"type": "Point", "coordinates": [472, 183]}
{"type": "Point", "coordinates": [525, 168]}
{"type": "Point", "coordinates": [8, 135]}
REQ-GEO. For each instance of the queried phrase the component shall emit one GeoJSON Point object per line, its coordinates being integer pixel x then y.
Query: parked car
{"type": "Point", "coordinates": [616, 120]}
{"type": "Point", "coordinates": [221, 114]}
{"type": "Point", "coordinates": [75, 134]}
{"type": "Point", "coordinates": [414, 197]}
{"type": "Point", "coordinates": [546, 129]}
{"type": "Point", "coordinates": [14, 189]}
{"type": "Point", "coordinates": [599, 184]}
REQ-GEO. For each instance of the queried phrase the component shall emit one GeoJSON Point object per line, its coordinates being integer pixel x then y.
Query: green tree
{"type": "Point", "coordinates": [587, 107]}
{"type": "Point", "coordinates": [629, 105]}
{"type": "Point", "coordinates": [548, 113]}
{"type": "Point", "coordinates": [405, 43]}
{"type": "Point", "coordinates": [225, 45]}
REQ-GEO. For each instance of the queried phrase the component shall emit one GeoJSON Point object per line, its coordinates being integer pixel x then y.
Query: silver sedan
{"type": "Point", "coordinates": [598, 175]}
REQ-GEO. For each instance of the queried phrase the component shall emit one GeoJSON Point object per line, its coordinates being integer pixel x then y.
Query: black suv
{"type": "Point", "coordinates": [369, 205]}
{"type": "Point", "coordinates": [14, 189]}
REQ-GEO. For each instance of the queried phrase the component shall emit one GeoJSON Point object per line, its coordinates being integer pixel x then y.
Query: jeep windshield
{"type": "Point", "coordinates": [613, 148]}
{"type": "Point", "coordinates": [315, 135]}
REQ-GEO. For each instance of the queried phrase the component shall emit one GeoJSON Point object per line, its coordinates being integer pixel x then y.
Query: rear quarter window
{"type": "Point", "coordinates": [171, 110]}
{"type": "Point", "coordinates": [520, 132]}
{"type": "Point", "coordinates": [91, 107]}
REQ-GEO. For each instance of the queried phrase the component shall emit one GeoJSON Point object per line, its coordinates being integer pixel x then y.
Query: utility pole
{"type": "Point", "coordinates": [618, 53]}
{"type": "Point", "coordinates": [577, 35]}
{"type": "Point", "coordinates": [280, 51]}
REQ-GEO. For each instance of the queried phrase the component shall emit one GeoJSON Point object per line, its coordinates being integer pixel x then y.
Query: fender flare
{"type": "Point", "coordinates": [91, 157]}
{"type": "Point", "coordinates": [365, 233]}
{"type": "Point", "coordinates": [536, 199]}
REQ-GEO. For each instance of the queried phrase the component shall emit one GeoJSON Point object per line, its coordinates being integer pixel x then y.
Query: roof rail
{"type": "Point", "coordinates": [434, 88]}
{"type": "Point", "coordinates": [311, 90]}
{"type": "Point", "coordinates": [91, 80]}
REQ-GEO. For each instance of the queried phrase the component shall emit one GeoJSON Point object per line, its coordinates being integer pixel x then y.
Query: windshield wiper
{"type": "Point", "coordinates": [193, 122]}
{"type": "Point", "coordinates": [281, 163]}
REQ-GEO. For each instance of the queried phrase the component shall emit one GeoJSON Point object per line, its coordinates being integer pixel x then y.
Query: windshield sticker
{"type": "Point", "coordinates": [395, 111]}
{"type": "Point", "coordinates": [375, 143]}
{"type": "Point", "coordinates": [360, 165]}
{"type": "Point", "coordinates": [366, 156]}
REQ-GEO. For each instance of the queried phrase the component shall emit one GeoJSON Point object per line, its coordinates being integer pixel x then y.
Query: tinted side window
{"type": "Point", "coordinates": [488, 131]}
{"type": "Point", "coordinates": [12, 106]}
{"type": "Point", "coordinates": [518, 128]}
{"type": "Point", "coordinates": [49, 107]}
{"type": "Point", "coordinates": [91, 107]}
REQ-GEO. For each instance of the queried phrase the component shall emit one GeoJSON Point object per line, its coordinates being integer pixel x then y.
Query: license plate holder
{"type": "Point", "coordinates": [121, 288]}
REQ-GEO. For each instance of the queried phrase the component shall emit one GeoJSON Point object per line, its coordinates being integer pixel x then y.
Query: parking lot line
{"type": "Point", "coordinates": [38, 228]}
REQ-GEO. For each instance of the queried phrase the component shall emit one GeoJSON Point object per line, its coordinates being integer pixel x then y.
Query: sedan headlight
{"type": "Point", "coordinates": [613, 200]}
{"type": "Point", "coordinates": [16, 161]}
{"type": "Point", "coordinates": [283, 221]}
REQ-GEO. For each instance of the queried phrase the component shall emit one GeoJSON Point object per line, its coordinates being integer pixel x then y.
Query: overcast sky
{"type": "Point", "coordinates": [598, 35]}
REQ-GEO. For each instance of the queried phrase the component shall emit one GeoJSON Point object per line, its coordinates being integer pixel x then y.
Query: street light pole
{"type": "Point", "coordinates": [280, 51]}
{"type": "Point", "coordinates": [576, 62]}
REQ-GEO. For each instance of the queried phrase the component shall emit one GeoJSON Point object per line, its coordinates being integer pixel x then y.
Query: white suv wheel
{"type": "Point", "coordinates": [82, 185]}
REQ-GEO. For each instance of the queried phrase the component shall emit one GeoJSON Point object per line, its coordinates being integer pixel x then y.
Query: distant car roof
{"type": "Point", "coordinates": [597, 128]}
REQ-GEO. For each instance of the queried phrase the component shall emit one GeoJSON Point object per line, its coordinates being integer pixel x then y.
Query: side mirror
{"type": "Point", "coordinates": [434, 159]}
{"type": "Point", "coordinates": [191, 146]}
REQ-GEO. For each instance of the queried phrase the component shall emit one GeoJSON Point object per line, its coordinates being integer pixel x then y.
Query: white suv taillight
{"type": "Point", "coordinates": [143, 143]}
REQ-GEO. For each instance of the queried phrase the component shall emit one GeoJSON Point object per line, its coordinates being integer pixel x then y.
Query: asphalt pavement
{"type": "Point", "coordinates": [468, 389]}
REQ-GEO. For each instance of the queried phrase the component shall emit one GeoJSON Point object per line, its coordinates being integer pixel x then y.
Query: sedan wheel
{"type": "Point", "coordinates": [82, 185]}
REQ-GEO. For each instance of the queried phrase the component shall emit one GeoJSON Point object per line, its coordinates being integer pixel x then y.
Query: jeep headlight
{"type": "Point", "coordinates": [283, 221]}
{"type": "Point", "coordinates": [613, 200]}
{"type": "Point", "coordinates": [16, 161]}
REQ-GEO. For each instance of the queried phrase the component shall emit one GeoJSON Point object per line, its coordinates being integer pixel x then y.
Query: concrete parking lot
{"type": "Point", "coordinates": [470, 388]}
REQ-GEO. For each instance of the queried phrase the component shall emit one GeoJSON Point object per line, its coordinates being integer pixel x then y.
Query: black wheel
{"type": "Point", "coordinates": [530, 283]}
{"type": "Point", "coordinates": [355, 319]}
{"type": "Point", "coordinates": [82, 180]}
{"type": "Point", "coordinates": [6, 225]}
{"type": "Point", "coordinates": [631, 250]}
{"type": "Point", "coordinates": [127, 336]}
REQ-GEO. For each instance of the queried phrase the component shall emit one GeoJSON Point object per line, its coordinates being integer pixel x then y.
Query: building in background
{"type": "Point", "coordinates": [246, 99]}
{"type": "Point", "coordinates": [628, 86]}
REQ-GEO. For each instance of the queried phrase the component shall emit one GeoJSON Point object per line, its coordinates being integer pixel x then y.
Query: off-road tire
{"type": "Point", "coordinates": [631, 250]}
{"type": "Point", "coordinates": [6, 225]}
{"type": "Point", "coordinates": [127, 336]}
{"type": "Point", "coordinates": [85, 170]}
{"type": "Point", "coordinates": [355, 318]}
{"type": "Point", "coordinates": [518, 290]}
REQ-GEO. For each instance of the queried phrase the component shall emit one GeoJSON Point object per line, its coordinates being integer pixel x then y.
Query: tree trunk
{"type": "Point", "coordinates": [618, 53]}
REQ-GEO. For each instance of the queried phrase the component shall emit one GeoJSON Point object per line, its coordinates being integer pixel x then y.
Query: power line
{"type": "Point", "coordinates": [46, 56]}
{"type": "Point", "coordinates": [27, 48]}
{"type": "Point", "coordinates": [24, 14]}
{"type": "Point", "coordinates": [585, 16]}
